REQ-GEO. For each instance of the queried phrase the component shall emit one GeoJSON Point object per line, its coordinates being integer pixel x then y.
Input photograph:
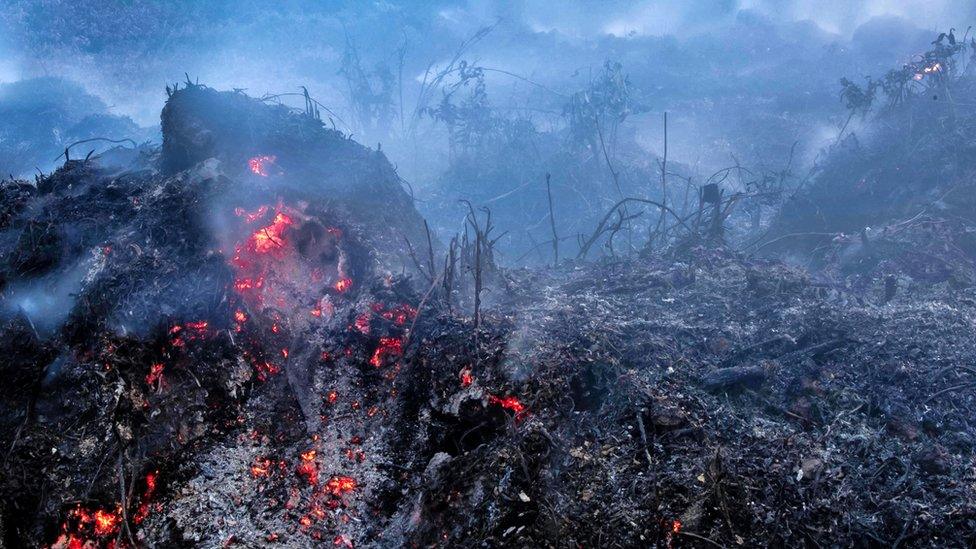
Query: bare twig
{"type": "Point", "coordinates": [601, 228]}
{"type": "Point", "coordinates": [552, 223]}
{"type": "Point", "coordinates": [68, 148]}
{"type": "Point", "coordinates": [700, 537]}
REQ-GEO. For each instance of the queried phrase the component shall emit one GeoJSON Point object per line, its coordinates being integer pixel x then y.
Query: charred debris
{"type": "Point", "coordinates": [250, 337]}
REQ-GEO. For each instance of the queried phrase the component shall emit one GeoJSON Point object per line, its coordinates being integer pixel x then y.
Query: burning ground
{"type": "Point", "coordinates": [247, 338]}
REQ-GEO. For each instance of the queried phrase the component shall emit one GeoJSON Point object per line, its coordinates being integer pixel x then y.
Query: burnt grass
{"type": "Point", "coordinates": [701, 399]}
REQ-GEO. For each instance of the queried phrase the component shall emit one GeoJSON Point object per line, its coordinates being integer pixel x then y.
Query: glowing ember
{"type": "Point", "coordinates": [105, 522]}
{"type": "Point", "coordinates": [143, 510]}
{"type": "Point", "coordinates": [189, 331]}
{"type": "Point", "coordinates": [339, 485]}
{"type": "Point", "coordinates": [240, 316]}
{"type": "Point", "coordinates": [509, 403]}
{"type": "Point", "coordinates": [403, 313]}
{"type": "Point", "coordinates": [155, 374]}
{"type": "Point", "coordinates": [388, 346]}
{"type": "Point", "coordinates": [251, 217]}
{"type": "Point", "coordinates": [342, 540]}
{"type": "Point", "coordinates": [466, 377]}
{"type": "Point", "coordinates": [271, 237]}
{"type": "Point", "coordinates": [261, 467]}
{"type": "Point", "coordinates": [82, 523]}
{"type": "Point", "coordinates": [244, 284]}
{"type": "Point", "coordinates": [199, 327]}
{"type": "Point", "coordinates": [151, 483]}
{"type": "Point", "coordinates": [266, 369]}
{"type": "Point", "coordinates": [362, 323]}
{"type": "Point", "coordinates": [259, 164]}
{"type": "Point", "coordinates": [676, 526]}
{"type": "Point", "coordinates": [343, 284]}
{"type": "Point", "coordinates": [309, 470]}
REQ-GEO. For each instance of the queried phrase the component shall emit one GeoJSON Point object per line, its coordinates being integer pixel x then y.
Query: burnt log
{"type": "Point", "coordinates": [736, 377]}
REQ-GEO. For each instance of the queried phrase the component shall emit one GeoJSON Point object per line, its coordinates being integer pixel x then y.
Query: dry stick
{"type": "Point", "coordinates": [613, 230]}
{"type": "Point", "coordinates": [601, 227]}
{"type": "Point", "coordinates": [65, 153]}
{"type": "Point", "coordinates": [536, 246]}
{"type": "Point", "coordinates": [788, 236]}
{"type": "Point", "coordinates": [606, 157]}
{"type": "Point", "coordinates": [477, 295]}
{"type": "Point", "coordinates": [430, 250]}
{"type": "Point", "coordinates": [643, 433]}
{"type": "Point", "coordinates": [702, 538]}
{"type": "Point", "coordinates": [664, 179]}
{"type": "Point", "coordinates": [125, 501]}
{"type": "Point", "coordinates": [552, 223]}
{"type": "Point", "coordinates": [420, 308]}
{"type": "Point", "coordinates": [473, 221]}
{"type": "Point", "coordinates": [949, 390]}
{"type": "Point", "coordinates": [416, 262]}
{"type": "Point", "coordinates": [450, 262]}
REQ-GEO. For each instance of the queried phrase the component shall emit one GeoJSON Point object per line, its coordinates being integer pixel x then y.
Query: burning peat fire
{"type": "Point", "coordinates": [247, 335]}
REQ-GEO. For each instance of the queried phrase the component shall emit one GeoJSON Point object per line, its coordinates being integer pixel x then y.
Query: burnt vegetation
{"type": "Point", "coordinates": [249, 335]}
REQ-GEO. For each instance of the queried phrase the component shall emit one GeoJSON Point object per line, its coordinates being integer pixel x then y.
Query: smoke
{"type": "Point", "coordinates": [127, 53]}
{"type": "Point", "coordinates": [739, 77]}
{"type": "Point", "coordinates": [844, 16]}
{"type": "Point", "coordinates": [46, 301]}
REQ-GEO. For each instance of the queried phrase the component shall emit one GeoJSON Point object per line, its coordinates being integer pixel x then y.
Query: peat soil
{"type": "Point", "coordinates": [187, 364]}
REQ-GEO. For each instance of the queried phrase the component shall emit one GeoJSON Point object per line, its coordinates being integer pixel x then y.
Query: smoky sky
{"type": "Point", "coordinates": [742, 77]}
{"type": "Point", "coordinates": [126, 52]}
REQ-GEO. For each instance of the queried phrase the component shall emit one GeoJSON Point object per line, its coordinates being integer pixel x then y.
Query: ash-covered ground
{"type": "Point", "coordinates": [249, 338]}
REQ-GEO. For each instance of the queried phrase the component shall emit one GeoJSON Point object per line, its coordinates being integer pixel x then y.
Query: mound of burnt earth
{"type": "Point", "coordinates": [296, 157]}
{"type": "Point", "coordinates": [150, 308]}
